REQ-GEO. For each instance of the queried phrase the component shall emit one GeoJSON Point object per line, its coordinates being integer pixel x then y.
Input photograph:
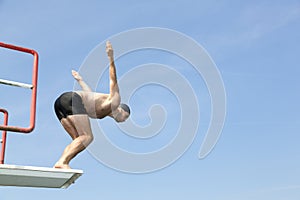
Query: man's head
{"type": "Point", "coordinates": [123, 113]}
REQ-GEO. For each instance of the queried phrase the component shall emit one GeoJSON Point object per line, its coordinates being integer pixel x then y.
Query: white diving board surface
{"type": "Point", "coordinates": [28, 176]}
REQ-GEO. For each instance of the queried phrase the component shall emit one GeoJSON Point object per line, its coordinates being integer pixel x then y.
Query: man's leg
{"type": "Point", "coordinates": [79, 128]}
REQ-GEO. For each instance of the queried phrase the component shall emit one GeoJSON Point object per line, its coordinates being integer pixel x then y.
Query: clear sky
{"type": "Point", "coordinates": [255, 46]}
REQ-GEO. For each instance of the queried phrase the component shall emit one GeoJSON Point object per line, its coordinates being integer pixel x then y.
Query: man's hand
{"type": "Point", "coordinates": [76, 75]}
{"type": "Point", "coordinates": [109, 50]}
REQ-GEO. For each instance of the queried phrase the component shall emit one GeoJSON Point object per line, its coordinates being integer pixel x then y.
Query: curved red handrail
{"type": "Point", "coordinates": [34, 90]}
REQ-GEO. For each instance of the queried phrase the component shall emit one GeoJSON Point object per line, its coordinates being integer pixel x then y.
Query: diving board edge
{"type": "Point", "coordinates": [29, 176]}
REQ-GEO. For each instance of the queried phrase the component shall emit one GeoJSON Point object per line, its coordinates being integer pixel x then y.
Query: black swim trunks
{"type": "Point", "coordinates": [69, 103]}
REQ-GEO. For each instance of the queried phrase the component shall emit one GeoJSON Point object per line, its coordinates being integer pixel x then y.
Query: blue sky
{"type": "Point", "coordinates": [255, 47]}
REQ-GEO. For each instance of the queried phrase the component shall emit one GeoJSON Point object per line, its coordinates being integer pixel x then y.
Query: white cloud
{"type": "Point", "coordinates": [263, 19]}
{"type": "Point", "coordinates": [258, 20]}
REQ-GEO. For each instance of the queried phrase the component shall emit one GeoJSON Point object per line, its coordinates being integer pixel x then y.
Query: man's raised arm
{"type": "Point", "coordinates": [114, 88]}
{"type": "Point", "coordinates": [82, 84]}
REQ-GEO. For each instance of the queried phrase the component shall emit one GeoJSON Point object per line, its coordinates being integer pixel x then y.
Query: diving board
{"type": "Point", "coordinates": [43, 177]}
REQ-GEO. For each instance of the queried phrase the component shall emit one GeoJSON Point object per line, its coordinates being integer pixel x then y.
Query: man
{"type": "Point", "coordinates": [73, 110]}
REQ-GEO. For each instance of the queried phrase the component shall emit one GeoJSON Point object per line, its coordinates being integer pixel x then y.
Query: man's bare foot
{"type": "Point", "coordinates": [62, 166]}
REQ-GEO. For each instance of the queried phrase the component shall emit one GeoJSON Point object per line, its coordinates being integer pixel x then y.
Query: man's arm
{"type": "Point", "coordinates": [114, 88]}
{"type": "Point", "coordinates": [82, 84]}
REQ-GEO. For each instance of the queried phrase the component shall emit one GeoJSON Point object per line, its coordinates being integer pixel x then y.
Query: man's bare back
{"type": "Point", "coordinates": [97, 105]}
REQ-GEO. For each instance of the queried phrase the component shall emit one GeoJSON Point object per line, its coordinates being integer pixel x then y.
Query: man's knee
{"type": "Point", "coordinates": [90, 138]}
{"type": "Point", "coordinates": [87, 139]}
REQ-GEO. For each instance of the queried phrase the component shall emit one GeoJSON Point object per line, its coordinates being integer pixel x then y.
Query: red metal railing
{"type": "Point", "coordinates": [34, 90]}
{"type": "Point", "coordinates": [3, 141]}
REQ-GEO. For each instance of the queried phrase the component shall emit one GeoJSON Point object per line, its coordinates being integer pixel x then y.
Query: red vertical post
{"type": "Point", "coordinates": [34, 93]}
{"type": "Point", "coordinates": [2, 155]}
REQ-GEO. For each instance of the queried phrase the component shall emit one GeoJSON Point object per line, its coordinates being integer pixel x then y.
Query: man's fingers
{"type": "Point", "coordinates": [108, 45]}
{"type": "Point", "coordinates": [76, 75]}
